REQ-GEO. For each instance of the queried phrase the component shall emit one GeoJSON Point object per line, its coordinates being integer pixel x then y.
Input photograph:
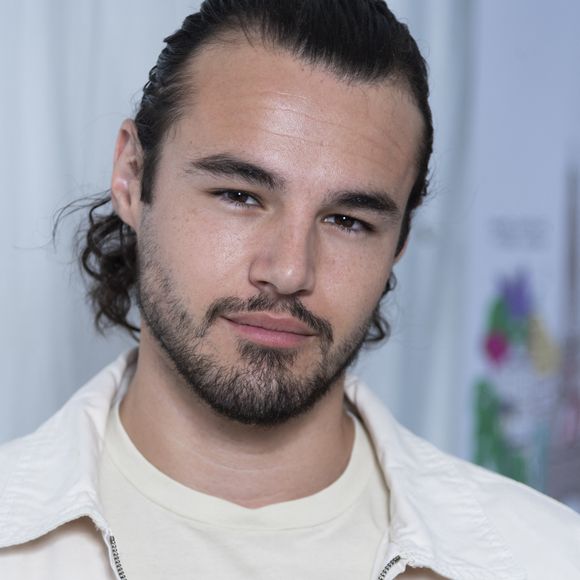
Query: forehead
{"type": "Point", "coordinates": [273, 107]}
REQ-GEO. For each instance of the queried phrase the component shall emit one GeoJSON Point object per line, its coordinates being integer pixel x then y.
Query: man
{"type": "Point", "coordinates": [260, 198]}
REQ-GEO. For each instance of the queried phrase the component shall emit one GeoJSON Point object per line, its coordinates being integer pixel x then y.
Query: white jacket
{"type": "Point", "coordinates": [447, 515]}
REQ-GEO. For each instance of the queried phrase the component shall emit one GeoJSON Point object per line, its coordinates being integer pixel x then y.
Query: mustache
{"type": "Point", "coordinates": [264, 303]}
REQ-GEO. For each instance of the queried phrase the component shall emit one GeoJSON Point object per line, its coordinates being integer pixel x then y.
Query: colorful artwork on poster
{"type": "Point", "coordinates": [515, 398]}
{"type": "Point", "coordinates": [527, 402]}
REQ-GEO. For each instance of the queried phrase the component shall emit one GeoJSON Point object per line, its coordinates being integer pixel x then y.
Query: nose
{"type": "Point", "coordinates": [284, 261]}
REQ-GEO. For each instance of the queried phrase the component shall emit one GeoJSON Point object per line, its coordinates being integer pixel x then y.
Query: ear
{"type": "Point", "coordinates": [126, 179]}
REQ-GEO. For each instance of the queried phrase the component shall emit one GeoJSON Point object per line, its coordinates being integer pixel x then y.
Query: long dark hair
{"type": "Point", "coordinates": [358, 40]}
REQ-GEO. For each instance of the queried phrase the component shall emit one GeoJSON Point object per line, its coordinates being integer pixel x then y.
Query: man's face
{"type": "Point", "coordinates": [276, 212]}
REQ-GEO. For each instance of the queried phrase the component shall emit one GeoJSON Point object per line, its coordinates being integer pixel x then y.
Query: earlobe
{"type": "Point", "coordinates": [126, 178]}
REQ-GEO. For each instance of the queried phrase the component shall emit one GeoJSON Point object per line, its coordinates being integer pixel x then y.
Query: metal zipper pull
{"type": "Point", "coordinates": [117, 559]}
{"type": "Point", "coordinates": [387, 567]}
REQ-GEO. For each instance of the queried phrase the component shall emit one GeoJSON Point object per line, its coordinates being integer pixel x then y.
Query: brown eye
{"type": "Point", "coordinates": [239, 196]}
{"type": "Point", "coordinates": [236, 197]}
{"type": "Point", "coordinates": [345, 221]}
{"type": "Point", "coordinates": [348, 223]}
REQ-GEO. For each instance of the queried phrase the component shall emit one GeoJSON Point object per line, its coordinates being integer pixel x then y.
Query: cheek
{"type": "Point", "coordinates": [355, 285]}
{"type": "Point", "coordinates": [206, 259]}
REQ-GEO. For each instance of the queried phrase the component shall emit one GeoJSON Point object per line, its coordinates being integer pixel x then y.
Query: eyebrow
{"type": "Point", "coordinates": [224, 165]}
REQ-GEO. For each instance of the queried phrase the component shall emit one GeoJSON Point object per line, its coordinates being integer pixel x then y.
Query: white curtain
{"type": "Point", "coordinates": [71, 71]}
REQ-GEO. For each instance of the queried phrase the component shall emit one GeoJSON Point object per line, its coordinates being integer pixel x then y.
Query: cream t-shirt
{"type": "Point", "coordinates": [165, 530]}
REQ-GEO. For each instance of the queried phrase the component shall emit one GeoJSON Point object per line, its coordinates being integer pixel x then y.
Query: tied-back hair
{"type": "Point", "coordinates": [360, 41]}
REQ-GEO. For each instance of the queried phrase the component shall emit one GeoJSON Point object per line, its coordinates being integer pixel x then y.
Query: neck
{"type": "Point", "coordinates": [249, 465]}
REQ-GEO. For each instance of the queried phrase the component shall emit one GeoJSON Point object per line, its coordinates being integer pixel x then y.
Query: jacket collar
{"type": "Point", "coordinates": [51, 477]}
{"type": "Point", "coordinates": [435, 519]}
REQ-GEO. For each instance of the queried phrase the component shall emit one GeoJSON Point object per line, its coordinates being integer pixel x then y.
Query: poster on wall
{"type": "Point", "coordinates": [526, 392]}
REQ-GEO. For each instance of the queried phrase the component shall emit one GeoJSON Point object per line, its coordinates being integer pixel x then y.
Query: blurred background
{"type": "Point", "coordinates": [483, 359]}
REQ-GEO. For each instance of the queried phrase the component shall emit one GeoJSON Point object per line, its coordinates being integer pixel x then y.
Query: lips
{"type": "Point", "coordinates": [268, 322]}
{"type": "Point", "coordinates": [270, 331]}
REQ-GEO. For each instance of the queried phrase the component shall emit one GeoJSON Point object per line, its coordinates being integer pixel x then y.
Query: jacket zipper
{"type": "Point", "coordinates": [117, 560]}
{"type": "Point", "coordinates": [386, 569]}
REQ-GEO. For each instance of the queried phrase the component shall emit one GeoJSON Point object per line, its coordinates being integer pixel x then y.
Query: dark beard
{"type": "Point", "coordinates": [262, 390]}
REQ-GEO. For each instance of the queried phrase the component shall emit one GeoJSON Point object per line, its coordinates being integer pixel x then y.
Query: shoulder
{"type": "Point", "coordinates": [540, 531]}
{"type": "Point", "coordinates": [10, 454]}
